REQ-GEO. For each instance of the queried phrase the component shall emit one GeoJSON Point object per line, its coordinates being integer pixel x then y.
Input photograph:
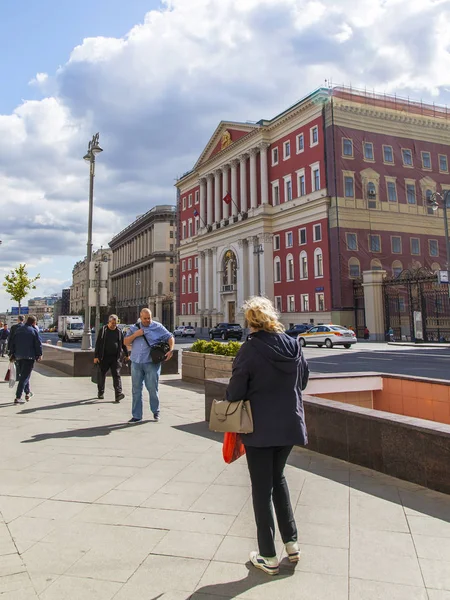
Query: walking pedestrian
{"type": "Point", "coordinates": [109, 348]}
{"type": "Point", "coordinates": [271, 372]}
{"type": "Point", "coordinates": [12, 333]}
{"type": "Point", "coordinates": [4, 335]}
{"type": "Point", "coordinates": [391, 335]}
{"type": "Point", "coordinates": [25, 349]}
{"type": "Point", "coordinates": [366, 333]}
{"type": "Point", "coordinates": [141, 337]}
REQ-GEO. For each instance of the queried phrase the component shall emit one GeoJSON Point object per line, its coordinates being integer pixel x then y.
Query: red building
{"type": "Point", "coordinates": [299, 206]}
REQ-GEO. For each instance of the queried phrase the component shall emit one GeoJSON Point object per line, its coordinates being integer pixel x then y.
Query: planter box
{"type": "Point", "coordinates": [197, 367]}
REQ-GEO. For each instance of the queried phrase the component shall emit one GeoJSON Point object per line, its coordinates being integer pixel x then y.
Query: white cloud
{"type": "Point", "coordinates": [157, 94]}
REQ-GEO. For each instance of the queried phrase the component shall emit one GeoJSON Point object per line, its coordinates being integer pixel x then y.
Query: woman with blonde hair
{"type": "Point", "coordinates": [271, 372]}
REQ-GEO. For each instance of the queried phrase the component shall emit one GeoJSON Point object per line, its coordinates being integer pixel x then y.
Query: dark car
{"type": "Point", "coordinates": [227, 331]}
{"type": "Point", "coordinates": [296, 330]}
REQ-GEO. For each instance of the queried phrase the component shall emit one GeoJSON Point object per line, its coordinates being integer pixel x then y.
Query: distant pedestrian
{"type": "Point", "coordinates": [25, 349]}
{"type": "Point", "coordinates": [4, 336]}
{"type": "Point", "coordinates": [366, 333]}
{"type": "Point", "coordinates": [270, 371]}
{"type": "Point", "coordinates": [109, 348]}
{"type": "Point", "coordinates": [391, 334]}
{"type": "Point", "coordinates": [141, 337]}
{"type": "Point", "coordinates": [12, 333]}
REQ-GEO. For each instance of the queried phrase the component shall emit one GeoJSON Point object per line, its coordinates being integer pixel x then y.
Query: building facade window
{"type": "Point", "coordinates": [190, 308]}
{"type": "Point", "coordinates": [443, 163]}
{"type": "Point", "coordinates": [396, 244]}
{"type": "Point", "coordinates": [375, 265]}
{"type": "Point", "coordinates": [196, 262]}
{"type": "Point", "coordinates": [287, 188]}
{"type": "Point", "coordinates": [415, 246]}
{"type": "Point", "coordinates": [184, 203]}
{"type": "Point", "coordinates": [388, 155]}
{"type": "Point", "coordinates": [320, 302]}
{"type": "Point", "coordinates": [300, 143]}
{"type": "Point", "coordinates": [347, 147]}
{"type": "Point", "coordinates": [183, 265]}
{"type": "Point", "coordinates": [291, 304]}
{"type": "Point", "coordinates": [197, 197]}
{"type": "Point", "coordinates": [289, 239]}
{"type": "Point", "coordinates": [274, 156]}
{"type": "Point", "coordinates": [183, 309]}
{"type": "Point", "coordinates": [275, 193]}
{"type": "Point", "coordinates": [290, 267]}
{"type": "Point", "coordinates": [197, 224]}
{"type": "Point", "coordinates": [302, 236]}
{"type": "Point", "coordinates": [191, 229]}
{"type": "Point", "coordinates": [183, 285]}
{"type": "Point", "coordinates": [276, 242]}
{"type": "Point", "coordinates": [189, 264]}
{"type": "Point", "coordinates": [368, 151]}
{"type": "Point", "coordinates": [428, 202]}
{"type": "Point", "coordinates": [318, 233]}
{"type": "Point", "coordinates": [184, 231]}
{"type": "Point", "coordinates": [170, 272]}
{"type": "Point", "coordinates": [374, 243]}
{"type": "Point", "coordinates": [411, 193]}
{"type": "Point", "coordinates": [301, 187]}
{"type": "Point", "coordinates": [371, 195]}
{"type": "Point", "coordinates": [190, 201]}
{"type": "Point", "coordinates": [354, 269]}
{"type": "Point", "coordinates": [397, 268]}
{"type": "Point", "coordinates": [303, 265]}
{"type": "Point", "coordinates": [196, 308]}
{"type": "Point", "coordinates": [190, 284]}
{"type": "Point", "coordinates": [426, 160]}
{"type": "Point", "coordinates": [407, 157]}
{"type": "Point", "coordinates": [433, 247]}
{"type": "Point", "coordinates": [278, 304]}
{"type": "Point", "coordinates": [349, 183]}
{"type": "Point", "coordinates": [305, 302]}
{"type": "Point", "coordinates": [314, 136]}
{"type": "Point", "coordinates": [352, 241]}
{"type": "Point", "coordinates": [277, 269]}
{"type": "Point", "coordinates": [316, 179]}
{"type": "Point", "coordinates": [287, 150]}
{"type": "Point", "coordinates": [392, 191]}
{"type": "Point", "coordinates": [318, 263]}
{"type": "Point", "coordinates": [196, 283]}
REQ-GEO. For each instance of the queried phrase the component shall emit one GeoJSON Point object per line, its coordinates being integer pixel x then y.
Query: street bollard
{"type": "Point", "coordinates": [49, 342]}
{"type": "Point", "coordinates": [59, 343]}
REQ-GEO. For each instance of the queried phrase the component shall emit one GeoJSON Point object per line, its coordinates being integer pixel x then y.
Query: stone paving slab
{"type": "Point", "coordinates": [94, 508]}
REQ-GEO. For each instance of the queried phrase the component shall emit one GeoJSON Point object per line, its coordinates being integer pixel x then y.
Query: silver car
{"type": "Point", "coordinates": [184, 331]}
{"type": "Point", "coordinates": [328, 335]}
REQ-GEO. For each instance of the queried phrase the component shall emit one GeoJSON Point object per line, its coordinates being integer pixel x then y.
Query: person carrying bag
{"type": "Point", "coordinates": [270, 373]}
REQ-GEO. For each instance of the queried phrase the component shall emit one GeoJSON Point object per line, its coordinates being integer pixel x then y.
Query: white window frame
{"type": "Point", "coordinates": [276, 242]}
{"type": "Point", "coordinates": [287, 179]}
{"type": "Point", "coordinates": [302, 302]}
{"type": "Point", "coordinates": [183, 265]}
{"type": "Point", "coordinates": [353, 262]}
{"type": "Point", "coordinates": [314, 232]}
{"type": "Point", "coordinates": [275, 151]}
{"type": "Point", "coordinates": [312, 143]}
{"type": "Point", "coordinates": [196, 262]}
{"type": "Point", "coordinates": [408, 166]}
{"type": "Point", "coordinates": [184, 203]}
{"type": "Point", "coordinates": [301, 173]}
{"type": "Point", "coordinates": [387, 162]}
{"type": "Point", "coordinates": [352, 155]}
{"type": "Point", "coordinates": [318, 295]}
{"type": "Point", "coordinates": [318, 252]}
{"type": "Point", "coordinates": [300, 136]}
{"type": "Point", "coordinates": [183, 284]}
{"type": "Point", "coordinates": [315, 167]}
{"type": "Point", "coordinates": [190, 228]}
{"type": "Point", "coordinates": [352, 177]}
{"type": "Point", "coordinates": [303, 275]}
{"type": "Point", "coordinates": [446, 162]}
{"type": "Point", "coordinates": [286, 238]}
{"type": "Point", "coordinates": [189, 284]}
{"type": "Point", "coordinates": [347, 234]}
{"type": "Point", "coordinates": [300, 243]}
{"type": "Point", "coordinates": [196, 283]}
{"type": "Point", "coordinates": [197, 197]}
{"type": "Point", "coordinates": [437, 247]}
{"type": "Point", "coordinates": [196, 308]}
{"type": "Point", "coordinates": [197, 225]}
{"type": "Point", "coordinates": [276, 261]}
{"type": "Point", "coordinates": [278, 304]}
{"type": "Point", "coordinates": [189, 308]}
{"type": "Point", "coordinates": [393, 181]}
{"type": "Point", "coordinates": [394, 237]}
{"type": "Point", "coordinates": [364, 152]}
{"type": "Point", "coordinates": [189, 264]}
{"type": "Point", "coordinates": [275, 186]}
{"type": "Point", "coordinates": [411, 246]}
{"type": "Point", "coordinates": [374, 235]}
{"type": "Point", "coordinates": [183, 309]}
{"type": "Point", "coordinates": [410, 183]}
{"type": "Point", "coordinates": [190, 201]}
{"type": "Point", "coordinates": [286, 147]}
{"type": "Point", "coordinates": [184, 230]}
{"type": "Point", "coordinates": [290, 259]}
{"type": "Point", "coordinates": [290, 308]}
{"type": "Point", "coordinates": [424, 168]}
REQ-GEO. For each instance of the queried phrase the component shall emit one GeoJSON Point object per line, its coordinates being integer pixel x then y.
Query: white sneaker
{"type": "Point", "coordinates": [268, 565]}
{"type": "Point", "coordinates": [293, 551]}
{"type": "Point", "coordinates": [19, 401]}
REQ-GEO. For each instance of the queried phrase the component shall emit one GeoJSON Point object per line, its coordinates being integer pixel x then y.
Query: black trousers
{"type": "Point", "coordinates": [24, 368]}
{"type": "Point", "coordinates": [269, 485]}
{"type": "Point", "coordinates": [110, 363]}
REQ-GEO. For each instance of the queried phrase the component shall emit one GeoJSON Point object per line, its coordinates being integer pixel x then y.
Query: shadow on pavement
{"type": "Point", "coordinates": [99, 431]}
{"type": "Point", "coordinates": [86, 402]}
{"type": "Point", "coordinates": [201, 428]}
{"type": "Point", "coordinates": [179, 383]}
{"type": "Point", "coordinates": [232, 589]}
{"type": "Point", "coordinates": [49, 371]}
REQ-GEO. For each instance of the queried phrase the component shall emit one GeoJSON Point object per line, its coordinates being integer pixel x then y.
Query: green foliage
{"type": "Point", "coordinates": [18, 284]}
{"type": "Point", "coordinates": [213, 347]}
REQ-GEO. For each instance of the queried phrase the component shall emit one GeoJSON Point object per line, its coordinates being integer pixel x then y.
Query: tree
{"type": "Point", "coordinates": [18, 284]}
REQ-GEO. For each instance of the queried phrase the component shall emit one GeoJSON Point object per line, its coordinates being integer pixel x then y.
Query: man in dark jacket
{"type": "Point", "coordinates": [25, 348]}
{"type": "Point", "coordinates": [12, 333]}
{"type": "Point", "coordinates": [4, 335]}
{"type": "Point", "coordinates": [108, 351]}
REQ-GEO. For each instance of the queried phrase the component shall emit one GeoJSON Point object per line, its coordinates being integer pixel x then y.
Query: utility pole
{"type": "Point", "coordinates": [97, 298]}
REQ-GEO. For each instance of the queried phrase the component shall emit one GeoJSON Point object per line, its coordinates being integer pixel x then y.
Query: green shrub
{"type": "Point", "coordinates": [213, 347]}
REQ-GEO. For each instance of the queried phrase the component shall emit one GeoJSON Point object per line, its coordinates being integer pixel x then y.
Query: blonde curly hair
{"type": "Point", "coordinates": [260, 314]}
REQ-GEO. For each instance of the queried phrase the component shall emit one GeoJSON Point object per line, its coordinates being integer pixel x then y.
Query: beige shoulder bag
{"type": "Point", "coordinates": [231, 417]}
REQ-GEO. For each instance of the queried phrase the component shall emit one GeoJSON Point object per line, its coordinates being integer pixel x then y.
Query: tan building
{"type": "Point", "coordinates": [79, 275]}
{"type": "Point", "coordinates": [41, 309]}
{"type": "Point", "coordinates": [143, 266]}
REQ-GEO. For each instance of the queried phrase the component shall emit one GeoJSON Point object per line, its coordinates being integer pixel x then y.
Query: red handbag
{"type": "Point", "coordinates": [233, 448]}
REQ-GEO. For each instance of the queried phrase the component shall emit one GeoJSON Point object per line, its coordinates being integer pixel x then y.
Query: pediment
{"type": "Point", "coordinates": [226, 134]}
{"type": "Point", "coordinates": [369, 173]}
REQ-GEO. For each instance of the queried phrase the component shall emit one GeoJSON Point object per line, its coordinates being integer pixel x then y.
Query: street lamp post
{"type": "Point", "coordinates": [93, 150]}
{"type": "Point", "coordinates": [434, 203]}
{"type": "Point", "coordinates": [138, 295]}
{"type": "Point", "coordinates": [257, 251]}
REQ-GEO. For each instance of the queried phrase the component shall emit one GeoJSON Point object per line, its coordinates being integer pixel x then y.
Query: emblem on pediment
{"type": "Point", "coordinates": [226, 139]}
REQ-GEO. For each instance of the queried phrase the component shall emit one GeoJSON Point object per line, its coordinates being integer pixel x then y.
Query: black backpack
{"type": "Point", "coordinates": [158, 351]}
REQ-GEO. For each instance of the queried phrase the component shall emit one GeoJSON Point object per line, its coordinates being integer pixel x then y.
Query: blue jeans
{"type": "Point", "coordinates": [24, 368]}
{"type": "Point", "coordinates": [147, 373]}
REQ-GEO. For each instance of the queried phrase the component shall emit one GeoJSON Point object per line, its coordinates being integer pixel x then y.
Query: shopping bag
{"type": "Point", "coordinates": [12, 374]}
{"type": "Point", "coordinates": [95, 373]}
{"type": "Point", "coordinates": [8, 373]}
{"type": "Point", "coordinates": [233, 448]}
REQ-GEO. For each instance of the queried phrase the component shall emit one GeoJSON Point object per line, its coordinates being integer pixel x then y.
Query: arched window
{"type": "Point", "coordinates": [371, 195]}
{"type": "Point", "coordinates": [303, 265]}
{"type": "Point", "coordinates": [189, 284]}
{"type": "Point", "coordinates": [289, 267]}
{"type": "Point", "coordinates": [376, 265]}
{"type": "Point", "coordinates": [277, 269]}
{"type": "Point", "coordinates": [435, 267]}
{"type": "Point", "coordinates": [196, 283]}
{"type": "Point", "coordinates": [428, 202]}
{"type": "Point", "coordinates": [318, 263]}
{"type": "Point", "coordinates": [397, 268]}
{"type": "Point", "coordinates": [183, 285]}
{"type": "Point", "coordinates": [354, 268]}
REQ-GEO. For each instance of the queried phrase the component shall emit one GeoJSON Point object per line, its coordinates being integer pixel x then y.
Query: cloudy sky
{"type": "Point", "coordinates": [155, 78]}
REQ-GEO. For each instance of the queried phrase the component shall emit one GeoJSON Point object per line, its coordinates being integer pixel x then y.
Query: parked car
{"type": "Point", "coordinates": [227, 331]}
{"type": "Point", "coordinates": [328, 335]}
{"type": "Point", "coordinates": [296, 330]}
{"type": "Point", "coordinates": [184, 331]}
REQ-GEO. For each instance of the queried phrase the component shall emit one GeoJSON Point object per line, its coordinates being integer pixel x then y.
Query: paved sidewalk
{"type": "Point", "coordinates": [94, 509]}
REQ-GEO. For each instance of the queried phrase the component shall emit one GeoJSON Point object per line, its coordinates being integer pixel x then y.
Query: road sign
{"type": "Point", "coordinates": [443, 276]}
{"type": "Point", "coordinates": [23, 310]}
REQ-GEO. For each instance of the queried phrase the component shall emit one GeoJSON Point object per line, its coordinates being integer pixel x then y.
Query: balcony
{"type": "Point", "coordinates": [229, 288]}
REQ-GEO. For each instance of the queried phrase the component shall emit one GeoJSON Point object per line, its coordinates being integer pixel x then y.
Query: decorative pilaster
{"type": "Point", "coordinates": [209, 199]}
{"type": "Point", "coordinates": [264, 173]}
{"type": "Point", "coordinates": [234, 186]}
{"type": "Point", "coordinates": [225, 190]}
{"type": "Point", "coordinates": [202, 202]}
{"type": "Point", "coordinates": [217, 196]}
{"type": "Point", "coordinates": [243, 160]}
{"type": "Point", "coordinates": [201, 282]}
{"type": "Point", "coordinates": [253, 179]}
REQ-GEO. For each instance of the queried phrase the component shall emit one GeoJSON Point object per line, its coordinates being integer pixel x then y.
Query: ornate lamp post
{"type": "Point", "coordinates": [434, 201]}
{"type": "Point", "coordinates": [93, 150]}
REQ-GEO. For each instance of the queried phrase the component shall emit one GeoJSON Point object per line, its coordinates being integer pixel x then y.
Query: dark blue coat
{"type": "Point", "coordinates": [271, 371]}
{"type": "Point", "coordinates": [25, 343]}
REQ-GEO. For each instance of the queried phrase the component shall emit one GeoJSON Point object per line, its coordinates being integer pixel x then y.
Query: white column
{"type": "Point", "coordinates": [215, 282]}
{"type": "Point", "coordinates": [209, 199]}
{"type": "Point", "coordinates": [241, 279]}
{"type": "Point", "coordinates": [202, 202]}
{"type": "Point", "coordinates": [201, 281]}
{"type": "Point", "coordinates": [253, 180]}
{"type": "Point", "coordinates": [234, 187]}
{"type": "Point", "coordinates": [217, 198]}
{"type": "Point", "coordinates": [266, 258]}
{"type": "Point", "coordinates": [207, 305]}
{"type": "Point", "coordinates": [251, 267]}
{"type": "Point", "coordinates": [243, 160]}
{"type": "Point", "coordinates": [225, 190]}
{"type": "Point", "coordinates": [264, 174]}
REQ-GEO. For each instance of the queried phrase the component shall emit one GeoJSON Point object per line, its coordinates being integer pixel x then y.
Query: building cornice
{"type": "Point", "coordinates": [163, 213]}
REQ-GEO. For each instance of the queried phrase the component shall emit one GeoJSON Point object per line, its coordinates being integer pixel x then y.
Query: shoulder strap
{"type": "Point", "coordinates": [138, 325]}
